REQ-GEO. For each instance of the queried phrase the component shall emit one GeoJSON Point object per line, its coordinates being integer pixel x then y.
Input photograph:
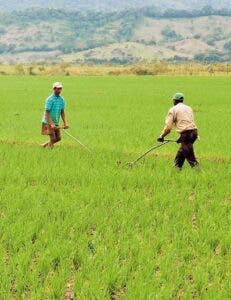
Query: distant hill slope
{"type": "Point", "coordinates": [121, 37]}
{"type": "Point", "coordinates": [109, 5]}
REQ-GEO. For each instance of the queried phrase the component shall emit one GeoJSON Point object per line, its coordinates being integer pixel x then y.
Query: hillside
{"type": "Point", "coordinates": [123, 37]}
{"type": "Point", "coordinates": [109, 5]}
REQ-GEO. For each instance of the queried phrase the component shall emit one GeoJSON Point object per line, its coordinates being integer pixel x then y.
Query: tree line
{"type": "Point", "coordinates": [101, 18]}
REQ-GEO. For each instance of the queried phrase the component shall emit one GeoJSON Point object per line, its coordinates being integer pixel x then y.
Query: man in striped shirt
{"type": "Point", "coordinates": [54, 109]}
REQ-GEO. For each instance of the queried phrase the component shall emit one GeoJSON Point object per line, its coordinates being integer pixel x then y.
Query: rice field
{"type": "Point", "coordinates": [83, 226]}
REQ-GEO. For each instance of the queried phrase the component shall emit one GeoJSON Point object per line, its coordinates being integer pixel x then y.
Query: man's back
{"type": "Point", "coordinates": [183, 117]}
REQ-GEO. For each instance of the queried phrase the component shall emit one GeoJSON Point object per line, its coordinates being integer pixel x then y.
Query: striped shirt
{"type": "Point", "coordinates": [54, 105]}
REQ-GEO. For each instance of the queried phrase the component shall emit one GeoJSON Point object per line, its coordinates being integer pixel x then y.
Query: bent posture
{"type": "Point", "coordinates": [182, 117]}
{"type": "Point", "coordinates": [54, 109]}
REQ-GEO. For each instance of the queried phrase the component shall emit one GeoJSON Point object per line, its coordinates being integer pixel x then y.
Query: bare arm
{"type": "Point", "coordinates": [165, 132]}
{"type": "Point", "coordinates": [48, 117]}
{"type": "Point", "coordinates": [63, 116]}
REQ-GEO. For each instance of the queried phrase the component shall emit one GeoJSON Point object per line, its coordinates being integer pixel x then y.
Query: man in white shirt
{"type": "Point", "coordinates": [181, 116]}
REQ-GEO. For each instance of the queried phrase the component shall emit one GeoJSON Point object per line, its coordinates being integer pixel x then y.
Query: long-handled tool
{"type": "Point", "coordinates": [132, 163]}
{"type": "Point", "coordinates": [75, 139]}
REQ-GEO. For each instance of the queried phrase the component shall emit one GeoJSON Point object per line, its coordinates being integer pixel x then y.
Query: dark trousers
{"type": "Point", "coordinates": [186, 151]}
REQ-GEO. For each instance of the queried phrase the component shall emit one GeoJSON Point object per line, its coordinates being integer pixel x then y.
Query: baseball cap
{"type": "Point", "coordinates": [57, 85]}
{"type": "Point", "coordinates": [178, 96]}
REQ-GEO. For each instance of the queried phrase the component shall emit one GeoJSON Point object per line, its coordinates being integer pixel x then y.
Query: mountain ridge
{"type": "Point", "coordinates": [123, 37]}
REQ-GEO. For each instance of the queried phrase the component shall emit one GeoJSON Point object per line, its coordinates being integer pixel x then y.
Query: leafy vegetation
{"type": "Point", "coordinates": [78, 224]}
{"type": "Point", "coordinates": [171, 34]}
{"type": "Point", "coordinates": [109, 5]}
{"type": "Point", "coordinates": [227, 46]}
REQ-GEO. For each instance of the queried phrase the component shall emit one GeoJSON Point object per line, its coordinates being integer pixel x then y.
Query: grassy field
{"type": "Point", "coordinates": [72, 223]}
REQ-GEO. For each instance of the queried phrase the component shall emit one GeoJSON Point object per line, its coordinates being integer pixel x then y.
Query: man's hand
{"type": "Point", "coordinates": [65, 126]}
{"type": "Point", "coordinates": [160, 139]}
{"type": "Point", "coordinates": [53, 126]}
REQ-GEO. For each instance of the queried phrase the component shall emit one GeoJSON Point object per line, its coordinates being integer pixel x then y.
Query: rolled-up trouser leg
{"type": "Point", "coordinates": [58, 135]}
{"type": "Point", "coordinates": [189, 154]}
{"type": "Point", "coordinates": [180, 158]}
{"type": "Point", "coordinates": [55, 136]}
{"type": "Point", "coordinates": [186, 150]}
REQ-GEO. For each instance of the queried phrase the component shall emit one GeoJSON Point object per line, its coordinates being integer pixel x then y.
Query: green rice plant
{"type": "Point", "coordinates": [84, 224]}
